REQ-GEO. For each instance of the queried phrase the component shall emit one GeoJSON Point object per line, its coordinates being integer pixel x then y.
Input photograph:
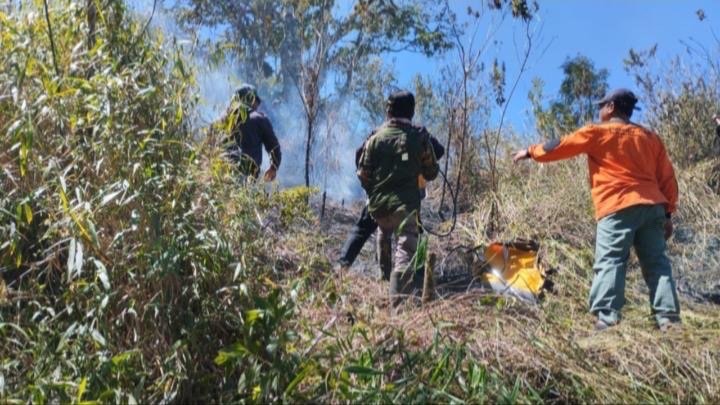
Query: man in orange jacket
{"type": "Point", "coordinates": [635, 194]}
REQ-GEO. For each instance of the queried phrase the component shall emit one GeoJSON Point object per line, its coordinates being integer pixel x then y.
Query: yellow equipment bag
{"type": "Point", "coordinates": [513, 268]}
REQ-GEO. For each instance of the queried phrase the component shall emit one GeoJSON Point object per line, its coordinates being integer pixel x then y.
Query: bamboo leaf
{"type": "Point", "coordinates": [71, 258]}
{"type": "Point", "coordinates": [79, 258]}
{"type": "Point", "coordinates": [28, 213]}
{"type": "Point", "coordinates": [109, 197]}
{"type": "Point", "coordinates": [123, 357]}
{"type": "Point", "coordinates": [253, 315]}
{"type": "Point", "coordinates": [102, 273]}
{"type": "Point", "coordinates": [299, 378]}
{"type": "Point", "coordinates": [98, 337]}
{"type": "Point", "coordinates": [81, 389]}
{"type": "Point", "coordinates": [362, 370]}
{"type": "Point", "coordinates": [92, 232]}
{"type": "Point", "coordinates": [238, 350]}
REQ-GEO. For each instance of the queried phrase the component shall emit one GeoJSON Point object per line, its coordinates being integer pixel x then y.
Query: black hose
{"type": "Point", "coordinates": [454, 214]}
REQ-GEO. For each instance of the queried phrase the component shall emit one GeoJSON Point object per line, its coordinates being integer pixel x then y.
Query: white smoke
{"type": "Point", "coordinates": [338, 131]}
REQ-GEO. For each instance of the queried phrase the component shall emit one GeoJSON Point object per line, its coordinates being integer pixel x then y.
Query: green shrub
{"type": "Point", "coordinates": [131, 253]}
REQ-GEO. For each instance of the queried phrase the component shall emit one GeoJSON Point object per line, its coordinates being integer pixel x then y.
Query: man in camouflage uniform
{"type": "Point", "coordinates": [250, 131]}
{"type": "Point", "coordinates": [394, 156]}
{"type": "Point", "coordinates": [365, 226]}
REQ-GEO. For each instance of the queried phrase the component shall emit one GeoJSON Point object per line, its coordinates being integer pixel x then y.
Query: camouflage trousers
{"type": "Point", "coordinates": [404, 281]}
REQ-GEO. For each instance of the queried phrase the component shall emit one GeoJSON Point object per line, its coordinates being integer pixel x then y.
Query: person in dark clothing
{"type": "Point", "coordinates": [394, 163]}
{"type": "Point", "coordinates": [252, 133]}
{"type": "Point", "coordinates": [365, 225]}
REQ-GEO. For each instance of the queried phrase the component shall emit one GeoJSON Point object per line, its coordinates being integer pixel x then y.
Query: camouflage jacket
{"type": "Point", "coordinates": [393, 158]}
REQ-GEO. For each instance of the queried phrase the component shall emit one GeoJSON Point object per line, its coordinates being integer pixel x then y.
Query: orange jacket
{"type": "Point", "coordinates": [628, 165]}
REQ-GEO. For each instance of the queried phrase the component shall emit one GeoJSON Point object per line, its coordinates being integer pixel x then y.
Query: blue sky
{"type": "Point", "coordinates": [603, 30]}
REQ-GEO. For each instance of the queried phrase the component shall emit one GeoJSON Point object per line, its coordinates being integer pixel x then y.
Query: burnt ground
{"type": "Point", "coordinates": [452, 274]}
{"type": "Point", "coordinates": [696, 265]}
{"type": "Point", "coordinates": [698, 278]}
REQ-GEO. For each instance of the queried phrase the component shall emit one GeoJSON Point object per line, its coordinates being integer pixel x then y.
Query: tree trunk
{"type": "Point", "coordinates": [92, 23]}
{"type": "Point", "coordinates": [308, 145]}
{"type": "Point", "coordinates": [451, 127]}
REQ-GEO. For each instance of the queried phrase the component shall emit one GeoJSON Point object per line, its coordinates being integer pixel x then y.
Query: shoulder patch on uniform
{"type": "Point", "coordinates": [551, 144]}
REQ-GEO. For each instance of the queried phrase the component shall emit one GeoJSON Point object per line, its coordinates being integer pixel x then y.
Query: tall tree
{"type": "Point", "coordinates": [582, 84]}
{"type": "Point", "coordinates": [270, 37]}
{"type": "Point", "coordinates": [300, 45]}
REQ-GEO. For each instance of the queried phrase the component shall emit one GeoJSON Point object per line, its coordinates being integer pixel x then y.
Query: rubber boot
{"type": "Point", "coordinates": [384, 251]}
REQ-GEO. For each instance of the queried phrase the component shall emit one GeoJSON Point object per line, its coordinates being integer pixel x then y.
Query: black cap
{"type": "Point", "coordinates": [247, 94]}
{"type": "Point", "coordinates": [621, 97]}
{"type": "Point", "coordinates": [401, 104]}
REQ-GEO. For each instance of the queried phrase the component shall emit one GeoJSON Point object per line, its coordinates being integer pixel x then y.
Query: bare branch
{"type": "Point", "coordinates": [52, 39]}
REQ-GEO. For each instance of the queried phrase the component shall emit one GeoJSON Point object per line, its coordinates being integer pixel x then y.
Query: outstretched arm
{"type": "Point", "coordinates": [572, 145]}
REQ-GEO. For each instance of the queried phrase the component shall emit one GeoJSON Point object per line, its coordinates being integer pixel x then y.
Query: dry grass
{"type": "Point", "coordinates": [549, 347]}
{"type": "Point", "coordinates": [552, 347]}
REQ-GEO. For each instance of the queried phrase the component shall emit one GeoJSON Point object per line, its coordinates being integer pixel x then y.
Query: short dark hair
{"type": "Point", "coordinates": [401, 104]}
